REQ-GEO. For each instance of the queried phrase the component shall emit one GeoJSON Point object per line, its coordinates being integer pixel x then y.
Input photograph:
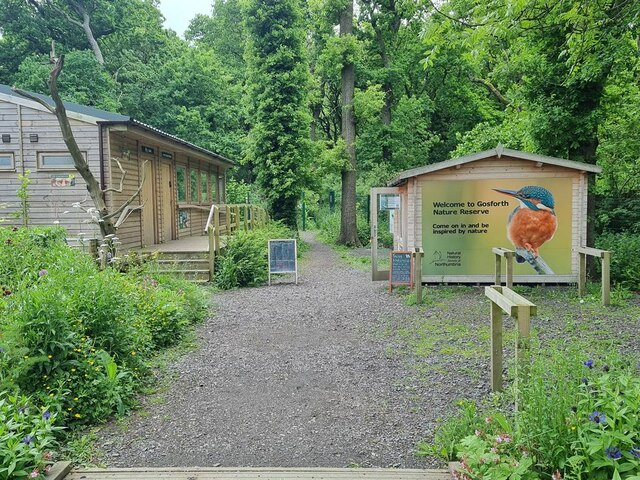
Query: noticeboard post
{"type": "Point", "coordinates": [283, 257]}
{"type": "Point", "coordinates": [401, 268]}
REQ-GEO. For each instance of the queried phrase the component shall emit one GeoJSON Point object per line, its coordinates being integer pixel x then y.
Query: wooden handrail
{"type": "Point", "coordinates": [605, 255]}
{"type": "Point", "coordinates": [506, 300]}
{"type": "Point", "coordinates": [508, 255]}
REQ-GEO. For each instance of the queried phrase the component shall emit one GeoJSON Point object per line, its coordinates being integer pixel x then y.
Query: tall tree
{"type": "Point", "coordinates": [278, 86]}
{"type": "Point", "coordinates": [348, 226]}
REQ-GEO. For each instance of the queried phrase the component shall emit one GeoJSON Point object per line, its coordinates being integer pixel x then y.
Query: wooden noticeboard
{"type": "Point", "coordinates": [400, 268]}
{"type": "Point", "coordinates": [283, 257]}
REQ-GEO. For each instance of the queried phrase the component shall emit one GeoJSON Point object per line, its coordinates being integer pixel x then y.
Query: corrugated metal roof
{"type": "Point", "coordinates": [499, 152]}
{"type": "Point", "coordinates": [110, 118]}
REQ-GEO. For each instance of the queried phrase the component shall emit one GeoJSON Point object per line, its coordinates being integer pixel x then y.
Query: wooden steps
{"type": "Point", "coordinates": [250, 473]}
{"type": "Point", "coordinates": [193, 266]}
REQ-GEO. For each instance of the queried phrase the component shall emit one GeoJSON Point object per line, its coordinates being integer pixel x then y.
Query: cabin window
{"type": "Point", "coordinates": [213, 187]}
{"type": "Point", "coordinates": [6, 161]}
{"type": "Point", "coordinates": [56, 160]}
{"type": "Point", "coordinates": [181, 182]}
{"type": "Point", "coordinates": [194, 185]}
{"type": "Point", "coordinates": [203, 187]}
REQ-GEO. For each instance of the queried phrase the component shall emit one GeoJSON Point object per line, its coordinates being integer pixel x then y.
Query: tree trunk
{"type": "Point", "coordinates": [105, 223]}
{"type": "Point", "coordinates": [91, 39]}
{"type": "Point", "coordinates": [348, 226]}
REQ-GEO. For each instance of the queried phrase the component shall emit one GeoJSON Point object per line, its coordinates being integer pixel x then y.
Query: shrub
{"type": "Point", "coordinates": [244, 260]}
{"type": "Point", "coordinates": [26, 437]}
{"type": "Point", "coordinates": [577, 418]}
{"type": "Point", "coordinates": [625, 261]}
{"type": "Point", "coordinates": [78, 337]}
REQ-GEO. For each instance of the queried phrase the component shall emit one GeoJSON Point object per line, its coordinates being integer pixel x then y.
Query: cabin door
{"type": "Point", "coordinates": [149, 209]}
{"type": "Point", "coordinates": [167, 198]}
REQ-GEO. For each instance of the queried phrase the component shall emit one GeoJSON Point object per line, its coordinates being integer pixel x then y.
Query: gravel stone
{"type": "Point", "coordinates": [292, 376]}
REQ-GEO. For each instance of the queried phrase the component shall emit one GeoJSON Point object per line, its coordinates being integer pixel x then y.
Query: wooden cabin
{"type": "Point", "coordinates": [452, 211]}
{"type": "Point", "coordinates": [181, 180]}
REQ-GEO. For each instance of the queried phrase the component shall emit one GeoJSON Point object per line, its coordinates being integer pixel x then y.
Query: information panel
{"type": "Point", "coordinates": [464, 219]}
{"type": "Point", "coordinates": [283, 256]}
{"type": "Point", "coordinates": [401, 268]}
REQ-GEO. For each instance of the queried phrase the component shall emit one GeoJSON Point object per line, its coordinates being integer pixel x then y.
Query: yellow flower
{"type": "Point", "coordinates": [50, 357]}
{"type": "Point", "coordinates": [133, 353]}
{"type": "Point", "coordinates": [77, 415]}
{"type": "Point", "coordinates": [73, 369]}
{"type": "Point", "coordinates": [75, 399]}
{"type": "Point", "coordinates": [69, 409]}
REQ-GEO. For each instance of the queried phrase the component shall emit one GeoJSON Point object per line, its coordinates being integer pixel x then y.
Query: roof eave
{"type": "Point", "coordinates": [135, 123]}
{"type": "Point", "coordinates": [499, 152]}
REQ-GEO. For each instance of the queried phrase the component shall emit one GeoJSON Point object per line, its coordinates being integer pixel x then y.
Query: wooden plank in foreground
{"type": "Point", "coordinates": [256, 473]}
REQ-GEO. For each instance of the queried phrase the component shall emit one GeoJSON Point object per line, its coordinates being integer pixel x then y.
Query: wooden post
{"type": "Point", "coordinates": [216, 227]}
{"type": "Point", "coordinates": [497, 280]}
{"type": "Point", "coordinates": [212, 252]}
{"type": "Point", "coordinates": [496, 347]}
{"type": "Point", "coordinates": [237, 217]}
{"type": "Point", "coordinates": [252, 220]}
{"type": "Point", "coordinates": [509, 257]}
{"type": "Point", "coordinates": [524, 334]}
{"type": "Point", "coordinates": [606, 269]}
{"type": "Point", "coordinates": [417, 272]}
{"type": "Point", "coordinates": [582, 274]}
{"type": "Point", "coordinates": [246, 217]}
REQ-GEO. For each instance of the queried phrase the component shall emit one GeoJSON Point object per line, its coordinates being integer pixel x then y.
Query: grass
{"type": "Point", "coordinates": [453, 325]}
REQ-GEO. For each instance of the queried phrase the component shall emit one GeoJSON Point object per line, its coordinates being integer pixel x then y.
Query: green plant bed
{"type": "Point", "coordinates": [76, 340]}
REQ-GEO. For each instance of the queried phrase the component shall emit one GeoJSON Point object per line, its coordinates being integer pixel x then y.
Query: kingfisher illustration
{"type": "Point", "coordinates": [532, 223]}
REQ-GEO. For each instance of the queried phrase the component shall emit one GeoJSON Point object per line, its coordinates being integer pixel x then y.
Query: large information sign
{"type": "Point", "coordinates": [283, 257]}
{"type": "Point", "coordinates": [464, 219]}
{"type": "Point", "coordinates": [401, 269]}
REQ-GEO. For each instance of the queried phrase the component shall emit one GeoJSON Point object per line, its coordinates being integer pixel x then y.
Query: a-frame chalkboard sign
{"type": "Point", "coordinates": [400, 269]}
{"type": "Point", "coordinates": [283, 257]}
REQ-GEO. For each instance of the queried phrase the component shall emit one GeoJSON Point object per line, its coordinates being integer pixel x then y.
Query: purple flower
{"type": "Point", "coordinates": [27, 440]}
{"type": "Point", "coordinates": [598, 417]}
{"type": "Point", "coordinates": [23, 409]}
{"type": "Point", "coordinates": [46, 415]}
{"type": "Point", "coordinates": [635, 451]}
{"type": "Point", "coordinates": [588, 363]}
{"type": "Point", "coordinates": [614, 453]}
{"type": "Point", "coordinates": [42, 273]}
{"type": "Point", "coordinates": [6, 292]}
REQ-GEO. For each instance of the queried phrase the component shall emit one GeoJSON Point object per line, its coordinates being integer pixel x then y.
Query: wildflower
{"type": "Point", "coordinates": [42, 272]}
{"type": "Point", "coordinates": [598, 417]}
{"type": "Point", "coordinates": [606, 368]}
{"type": "Point", "coordinates": [585, 381]}
{"type": "Point", "coordinates": [557, 475]}
{"type": "Point", "coordinates": [46, 415]}
{"type": "Point", "coordinates": [47, 468]}
{"type": "Point", "coordinates": [47, 456]}
{"type": "Point", "coordinates": [28, 440]}
{"type": "Point", "coordinates": [478, 433]}
{"type": "Point", "coordinates": [23, 409]}
{"type": "Point", "coordinates": [6, 292]}
{"type": "Point", "coordinates": [77, 415]}
{"type": "Point", "coordinates": [503, 438]}
{"type": "Point", "coordinates": [49, 357]}
{"type": "Point", "coordinates": [588, 363]}
{"type": "Point", "coordinates": [635, 451]}
{"type": "Point", "coordinates": [35, 473]}
{"type": "Point", "coordinates": [614, 453]}
{"type": "Point", "coordinates": [488, 420]}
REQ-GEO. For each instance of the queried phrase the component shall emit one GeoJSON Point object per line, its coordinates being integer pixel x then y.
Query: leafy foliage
{"type": "Point", "coordinates": [278, 143]}
{"type": "Point", "coordinates": [244, 260]}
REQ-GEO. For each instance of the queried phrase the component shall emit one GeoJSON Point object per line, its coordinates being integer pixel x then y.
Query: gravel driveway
{"type": "Point", "coordinates": [290, 376]}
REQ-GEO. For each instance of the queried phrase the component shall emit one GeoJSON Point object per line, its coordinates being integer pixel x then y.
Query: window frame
{"type": "Point", "coordinates": [12, 161]}
{"type": "Point", "coordinates": [194, 193]}
{"type": "Point", "coordinates": [204, 194]}
{"type": "Point", "coordinates": [182, 168]}
{"type": "Point", "coordinates": [64, 168]}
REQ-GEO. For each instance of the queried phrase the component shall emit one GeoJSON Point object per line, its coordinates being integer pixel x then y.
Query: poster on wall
{"type": "Point", "coordinates": [464, 219]}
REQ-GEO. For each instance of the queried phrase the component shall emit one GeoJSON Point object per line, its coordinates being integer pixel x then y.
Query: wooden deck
{"type": "Point", "coordinates": [253, 474]}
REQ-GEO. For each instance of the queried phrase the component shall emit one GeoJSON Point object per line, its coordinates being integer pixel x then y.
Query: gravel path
{"type": "Point", "coordinates": [290, 376]}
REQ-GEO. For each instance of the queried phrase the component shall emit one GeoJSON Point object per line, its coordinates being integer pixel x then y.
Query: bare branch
{"type": "Point", "coordinates": [131, 198]}
{"type": "Point", "coordinates": [31, 96]}
{"type": "Point", "coordinates": [124, 174]}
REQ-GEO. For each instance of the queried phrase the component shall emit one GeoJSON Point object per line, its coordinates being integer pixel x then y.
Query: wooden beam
{"type": "Point", "coordinates": [496, 347]}
{"type": "Point", "coordinates": [606, 286]}
{"type": "Point", "coordinates": [594, 252]}
{"type": "Point", "coordinates": [494, 293]}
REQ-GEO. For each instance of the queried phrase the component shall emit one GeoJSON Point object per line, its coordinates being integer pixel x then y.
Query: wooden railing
{"type": "Point", "coordinates": [225, 219]}
{"type": "Point", "coordinates": [606, 267]}
{"type": "Point", "coordinates": [508, 255]}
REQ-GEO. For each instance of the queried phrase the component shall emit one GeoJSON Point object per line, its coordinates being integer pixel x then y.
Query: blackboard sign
{"type": "Point", "coordinates": [401, 268]}
{"type": "Point", "coordinates": [283, 255]}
